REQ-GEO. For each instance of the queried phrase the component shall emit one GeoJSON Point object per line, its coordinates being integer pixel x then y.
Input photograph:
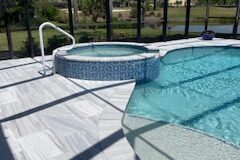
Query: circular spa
{"type": "Point", "coordinates": [108, 61]}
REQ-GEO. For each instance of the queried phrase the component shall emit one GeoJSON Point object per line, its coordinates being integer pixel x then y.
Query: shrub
{"type": "Point", "coordinates": [84, 37]}
{"type": "Point", "coordinates": [39, 20]}
{"type": "Point", "coordinates": [159, 14]}
{"type": "Point", "coordinates": [121, 35]}
{"type": "Point", "coordinates": [115, 19]}
{"type": "Point", "coordinates": [50, 12]}
{"type": "Point", "coordinates": [16, 14]}
{"type": "Point", "coordinates": [120, 15]}
{"type": "Point", "coordinates": [133, 12]}
{"type": "Point", "coordinates": [99, 36]}
{"type": "Point", "coordinates": [56, 41]}
{"type": "Point", "coordinates": [152, 13]}
{"type": "Point", "coordinates": [35, 47]}
{"type": "Point", "coordinates": [153, 22]}
{"type": "Point", "coordinates": [62, 17]}
{"type": "Point", "coordinates": [147, 5]}
{"type": "Point", "coordinates": [124, 25]}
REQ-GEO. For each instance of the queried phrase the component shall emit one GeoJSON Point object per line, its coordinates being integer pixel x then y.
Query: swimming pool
{"type": "Point", "coordinates": [108, 61]}
{"type": "Point", "coordinates": [196, 87]}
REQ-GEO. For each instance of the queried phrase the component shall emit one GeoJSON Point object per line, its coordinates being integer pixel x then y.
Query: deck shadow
{"type": "Point", "coordinates": [5, 151]}
{"type": "Point", "coordinates": [59, 101]}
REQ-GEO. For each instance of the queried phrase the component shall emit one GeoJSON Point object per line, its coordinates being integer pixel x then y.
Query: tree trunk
{"type": "Point", "coordinates": [143, 12]}
{"type": "Point", "coordinates": [75, 7]}
{"type": "Point", "coordinates": [94, 18]}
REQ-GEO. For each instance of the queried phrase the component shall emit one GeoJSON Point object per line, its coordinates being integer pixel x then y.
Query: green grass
{"type": "Point", "coordinates": [197, 12]}
{"type": "Point", "coordinates": [19, 37]}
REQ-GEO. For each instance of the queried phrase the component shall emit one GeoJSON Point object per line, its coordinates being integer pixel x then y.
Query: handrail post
{"type": "Point", "coordinates": [42, 44]}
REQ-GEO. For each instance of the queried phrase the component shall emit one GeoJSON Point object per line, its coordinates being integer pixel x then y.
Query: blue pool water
{"type": "Point", "coordinates": [196, 87]}
{"type": "Point", "coordinates": [108, 50]}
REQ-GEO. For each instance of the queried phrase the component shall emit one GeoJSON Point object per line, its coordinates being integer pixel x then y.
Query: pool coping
{"type": "Point", "coordinates": [62, 53]}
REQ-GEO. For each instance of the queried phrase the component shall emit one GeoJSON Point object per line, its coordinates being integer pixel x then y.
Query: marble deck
{"type": "Point", "coordinates": [56, 118]}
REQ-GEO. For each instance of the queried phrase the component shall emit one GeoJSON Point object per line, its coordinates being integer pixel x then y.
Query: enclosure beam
{"type": "Point", "coordinates": [188, 7]}
{"type": "Point", "coordinates": [207, 15]}
{"type": "Point", "coordinates": [8, 30]}
{"type": "Point", "coordinates": [165, 18]}
{"type": "Point", "coordinates": [235, 27]}
{"type": "Point", "coordinates": [154, 4]}
{"type": "Point", "coordinates": [139, 19]}
{"type": "Point", "coordinates": [27, 23]}
{"type": "Point", "coordinates": [70, 17]}
{"type": "Point", "coordinates": [108, 19]}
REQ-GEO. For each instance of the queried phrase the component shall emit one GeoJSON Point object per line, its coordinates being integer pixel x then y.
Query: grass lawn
{"type": "Point", "coordinates": [19, 37]}
{"type": "Point", "coordinates": [196, 12]}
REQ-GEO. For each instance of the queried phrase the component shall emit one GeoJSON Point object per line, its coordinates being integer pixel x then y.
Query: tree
{"type": "Point", "coordinates": [75, 8]}
{"type": "Point", "coordinates": [93, 8]}
{"type": "Point", "coordinates": [178, 3]}
{"type": "Point", "coordinates": [16, 14]}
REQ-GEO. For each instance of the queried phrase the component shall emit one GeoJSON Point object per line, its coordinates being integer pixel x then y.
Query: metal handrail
{"type": "Point", "coordinates": [42, 44]}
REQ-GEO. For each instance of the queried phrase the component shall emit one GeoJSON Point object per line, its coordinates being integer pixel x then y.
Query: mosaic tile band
{"type": "Point", "coordinates": [141, 70]}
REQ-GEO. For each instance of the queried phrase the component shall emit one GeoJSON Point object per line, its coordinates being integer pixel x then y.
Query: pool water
{"type": "Point", "coordinates": [196, 87]}
{"type": "Point", "coordinates": [108, 50]}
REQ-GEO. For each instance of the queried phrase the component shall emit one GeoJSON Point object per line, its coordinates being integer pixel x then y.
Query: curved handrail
{"type": "Point", "coordinates": [42, 44]}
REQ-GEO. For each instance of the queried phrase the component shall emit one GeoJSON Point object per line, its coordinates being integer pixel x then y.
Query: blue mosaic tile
{"type": "Point", "coordinates": [141, 70]}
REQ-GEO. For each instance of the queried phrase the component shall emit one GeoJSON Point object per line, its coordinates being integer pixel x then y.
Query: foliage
{"type": "Point", "coordinates": [38, 20]}
{"type": "Point", "coordinates": [56, 41]}
{"type": "Point", "coordinates": [62, 17]}
{"type": "Point", "coordinates": [153, 22]}
{"type": "Point", "coordinates": [133, 12]}
{"type": "Point", "coordinates": [99, 36]}
{"type": "Point", "coordinates": [85, 37]}
{"type": "Point", "coordinates": [178, 3]}
{"type": "Point", "coordinates": [16, 14]}
{"type": "Point", "coordinates": [93, 8]}
{"type": "Point", "coordinates": [96, 36]}
{"type": "Point", "coordinates": [147, 5]}
{"type": "Point", "coordinates": [36, 48]}
{"type": "Point", "coordinates": [50, 12]}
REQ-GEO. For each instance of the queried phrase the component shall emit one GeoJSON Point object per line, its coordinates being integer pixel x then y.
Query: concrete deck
{"type": "Point", "coordinates": [56, 118]}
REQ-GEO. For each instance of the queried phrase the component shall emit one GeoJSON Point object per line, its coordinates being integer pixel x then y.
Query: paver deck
{"type": "Point", "coordinates": [58, 118]}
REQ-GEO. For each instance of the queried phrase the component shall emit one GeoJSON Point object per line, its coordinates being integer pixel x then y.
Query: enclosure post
{"type": "Point", "coordinates": [70, 17]}
{"type": "Point", "coordinates": [188, 7]}
{"type": "Point", "coordinates": [8, 30]}
{"type": "Point", "coordinates": [27, 22]}
{"type": "Point", "coordinates": [139, 19]}
{"type": "Point", "coordinates": [235, 27]}
{"type": "Point", "coordinates": [207, 15]}
{"type": "Point", "coordinates": [154, 4]}
{"type": "Point", "coordinates": [108, 20]}
{"type": "Point", "coordinates": [165, 18]}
